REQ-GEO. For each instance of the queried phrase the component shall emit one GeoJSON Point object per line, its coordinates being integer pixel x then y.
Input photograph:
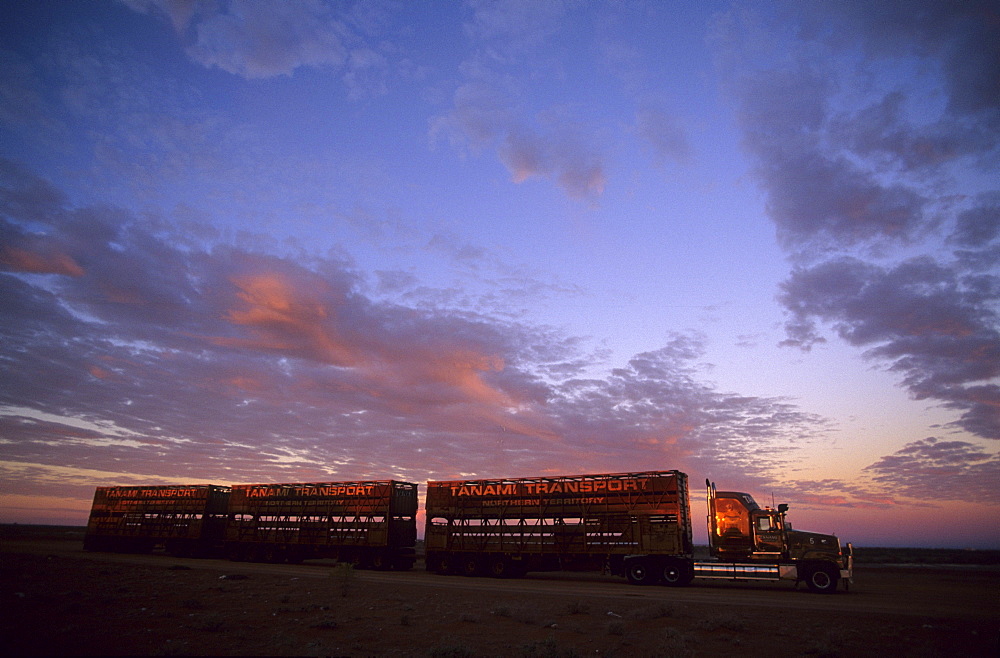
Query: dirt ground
{"type": "Point", "coordinates": [59, 600]}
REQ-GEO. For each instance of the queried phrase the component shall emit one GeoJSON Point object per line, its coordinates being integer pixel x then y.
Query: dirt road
{"type": "Point", "coordinates": [63, 600]}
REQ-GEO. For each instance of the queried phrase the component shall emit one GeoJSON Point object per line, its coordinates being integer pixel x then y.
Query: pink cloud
{"type": "Point", "coordinates": [22, 260]}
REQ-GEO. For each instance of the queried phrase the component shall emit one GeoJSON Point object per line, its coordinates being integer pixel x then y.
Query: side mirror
{"type": "Point", "coordinates": [782, 508]}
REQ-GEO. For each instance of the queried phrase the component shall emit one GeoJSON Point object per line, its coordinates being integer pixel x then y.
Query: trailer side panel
{"type": "Point", "coordinates": [188, 517]}
{"type": "Point", "coordinates": [358, 521]}
{"type": "Point", "coordinates": [566, 517]}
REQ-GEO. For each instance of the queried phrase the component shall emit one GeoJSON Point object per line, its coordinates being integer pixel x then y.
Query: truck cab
{"type": "Point", "coordinates": [740, 530]}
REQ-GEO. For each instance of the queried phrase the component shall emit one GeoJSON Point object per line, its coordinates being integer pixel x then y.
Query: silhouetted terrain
{"type": "Point", "coordinates": [60, 600]}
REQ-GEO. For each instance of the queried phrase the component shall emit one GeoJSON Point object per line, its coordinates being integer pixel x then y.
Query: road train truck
{"type": "Point", "coordinates": [632, 524]}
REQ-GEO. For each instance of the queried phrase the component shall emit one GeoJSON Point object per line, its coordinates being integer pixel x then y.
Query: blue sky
{"type": "Point", "coordinates": [308, 241]}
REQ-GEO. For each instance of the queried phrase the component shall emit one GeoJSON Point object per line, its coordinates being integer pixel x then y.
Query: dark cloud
{"type": "Point", "coordinates": [960, 38]}
{"type": "Point", "coordinates": [817, 196]}
{"type": "Point", "coordinates": [932, 325]}
{"type": "Point", "coordinates": [154, 355]}
{"type": "Point", "coordinates": [864, 170]}
{"type": "Point", "coordinates": [933, 469]}
{"type": "Point", "coordinates": [883, 132]}
{"type": "Point", "coordinates": [979, 226]}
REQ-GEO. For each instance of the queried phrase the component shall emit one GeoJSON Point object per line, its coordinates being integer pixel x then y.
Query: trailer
{"type": "Point", "coordinates": [186, 520]}
{"type": "Point", "coordinates": [633, 524]}
{"type": "Point", "coordinates": [371, 523]}
{"type": "Point", "coordinates": [507, 527]}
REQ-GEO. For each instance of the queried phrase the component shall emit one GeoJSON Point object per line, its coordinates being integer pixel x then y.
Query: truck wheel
{"type": "Point", "coordinates": [470, 566]}
{"type": "Point", "coordinates": [500, 567]}
{"type": "Point", "coordinates": [676, 573]}
{"type": "Point", "coordinates": [822, 579]}
{"type": "Point", "coordinates": [446, 565]}
{"type": "Point", "coordinates": [640, 572]}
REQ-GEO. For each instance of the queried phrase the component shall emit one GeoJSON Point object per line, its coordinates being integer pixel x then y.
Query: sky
{"type": "Point", "coordinates": [757, 242]}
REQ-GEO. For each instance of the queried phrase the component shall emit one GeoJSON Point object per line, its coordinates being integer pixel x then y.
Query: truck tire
{"type": "Point", "coordinates": [500, 567]}
{"type": "Point", "coordinates": [470, 566]}
{"type": "Point", "coordinates": [822, 578]}
{"type": "Point", "coordinates": [677, 573]}
{"type": "Point", "coordinates": [446, 565]}
{"type": "Point", "coordinates": [379, 562]}
{"type": "Point", "coordinates": [640, 572]}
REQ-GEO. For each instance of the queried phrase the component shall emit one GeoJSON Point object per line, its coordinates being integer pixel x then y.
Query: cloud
{"type": "Point", "coordinates": [932, 325]}
{"type": "Point", "coordinates": [231, 364]}
{"type": "Point", "coordinates": [661, 130]}
{"type": "Point", "coordinates": [548, 146]}
{"type": "Point", "coordinates": [959, 38]}
{"type": "Point", "coordinates": [935, 470]}
{"type": "Point", "coordinates": [263, 40]}
{"type": "Point", "coordinates": [366, 74]}
{"type": "Point", "coordinates": [872, 130]}
{"type": "Point", "coordinates": [817, 196]}
{"type": "Point", "coordinates": [883, 132]}
{"type": "Point", "coordinates": [493, 109]}
{"type": "Point", "coordinates": [979, 227]}
{"type": "Point", "coordinates": [511, 31]}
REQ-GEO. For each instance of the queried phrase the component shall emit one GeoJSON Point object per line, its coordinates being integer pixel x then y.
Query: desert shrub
{"type": "Point", "coordinates": [675, 644]}
{"type": "Point", "coordinates": [723, 622]}
{"type": "Point", "coordinates": [325, 624]}
{"type": "Point", "coordinates": [526, 616]}
{"type": "Point", "coordinates": [451, 651]}
{"type": "Point", "coordinates": [345, 572]}
{"type": "Point", "coordinates": [657, 611]}
{"type": "Point", "coordinates": [578, 608]}
{"type": "Point", "coordinates": [523, 615]}
{"type": "Point", "coordinates": [546, 649]}
{"type": "Point", "coordinates": [827, 646]}
{"type": "Point", "coordinates": [211, 624]}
